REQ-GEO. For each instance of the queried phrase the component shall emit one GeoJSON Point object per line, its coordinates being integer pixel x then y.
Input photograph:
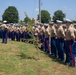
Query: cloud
{"type": "Point", "coordinates": [66, 8]}
{"type": "Point", "coordinates": [37, 9]}
{"type": "Point", "coordinates": [70, 9]}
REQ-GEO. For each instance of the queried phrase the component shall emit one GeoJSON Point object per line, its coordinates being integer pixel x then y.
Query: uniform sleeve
{"type": "Point", "coordinates": [55, 31]}
{"type": "Point", "coordinates": [43, 30]}
{"type": "Point", "coordinates": [62, 31]}
{"type": "Point", "coordinates": [72, 32]}
{"type": "Point", "coordinates": [37, 30]}
{"type": "Point", "coordinates": [48, 31]}
{"type": "Point", "coordinates": [75, 31]}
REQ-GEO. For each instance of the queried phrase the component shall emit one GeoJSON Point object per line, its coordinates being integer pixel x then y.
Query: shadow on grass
{"type": "Point", "coordinates": [23, 56]}
{"type": "Point", "coordinates": [55, 59]}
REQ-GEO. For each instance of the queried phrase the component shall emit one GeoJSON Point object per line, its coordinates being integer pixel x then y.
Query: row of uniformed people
{"type": "Point", "coordinates": [50, 36]}
{"type": "Point", "coordinates": [14, 33]}
{"type": "Point", "coordinates": [59, 38]}
{"type": "Point", "coordinates": [19, 34]}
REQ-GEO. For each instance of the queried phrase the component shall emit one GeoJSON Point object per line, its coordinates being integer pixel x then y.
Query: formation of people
{"type": "Point", "coordinates": [15, 33]}
{"type": "Point", "coordinates": [56, 40]}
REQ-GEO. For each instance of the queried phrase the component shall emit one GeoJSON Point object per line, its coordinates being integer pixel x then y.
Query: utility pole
{"type": "Point", "coordinates": [75, 17]}
{"type": "Point", "coordinates": [39, 11]}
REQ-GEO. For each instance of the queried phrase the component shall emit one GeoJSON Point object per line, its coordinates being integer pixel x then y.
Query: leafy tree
{"type": "Point", "coordinates": [74, 21]}
{"type": "Point", "coordinates": [11, 15]}
{"type": "Point", "coordinates": [21, 22]}
{"type": "Point", "coordinates": [45, 16]}
{"type": "Point", "coordinates": [0, 21]}
{"type": "Point", "coordinates": [58, 15]}
{"type": "Point", "coordinates": [27, 20]}
{"type": "Point", "coordinates": [33, 21]}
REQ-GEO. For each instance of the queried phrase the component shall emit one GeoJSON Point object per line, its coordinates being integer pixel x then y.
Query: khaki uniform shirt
{"type": "Point", "coordinates": [60, 32]}
{"type": "Point", "coordinates": [53, 31]}
{"type": "Point", "coordinates": [37, 31]}
{"type": "Point", "coordinates": [69, 33]}
{"type": "Point", "coordinates": [75, 33]}
{"type": "Point", "coordinates": [43, 30]}
{"type": "Point", "coordinates": [47, 33]}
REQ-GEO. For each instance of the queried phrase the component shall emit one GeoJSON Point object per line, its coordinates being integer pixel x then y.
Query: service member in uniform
{"type": "Point", "coordinates": [37, 31]}
{"type": "Point", "coordinates": [47, 35]}
{"type": "Point", "coordinates": [74, 46]}
{"type": "Point", "coordinates": [53, 39]}
{"type": "Point", "coordinates": [60, 40]}
{"type": "Point", "coordinates": [18, 34]}
{"type": "Point", "coordinates": [21, 31]}
{"type": "Point", "coordinates": [13, 33]}
{"type": "Point", "coordinates": [0, 30]}
{"type": "Point", "coordinates": [42, 31]}
{"type": "Point", "coordinates": [4, 30]}
{"type": "Point", "coordinates": [70, 37]}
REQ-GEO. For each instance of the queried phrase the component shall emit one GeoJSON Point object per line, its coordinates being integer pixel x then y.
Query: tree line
{"type": "Point", "coordinates": [11, 15]}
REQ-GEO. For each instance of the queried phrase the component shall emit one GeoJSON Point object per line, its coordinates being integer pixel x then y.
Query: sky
{"type": "Point", "coordinates": [31, 7]}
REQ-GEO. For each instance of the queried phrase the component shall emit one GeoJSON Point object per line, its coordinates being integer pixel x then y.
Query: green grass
{"type": "Point", "coordinates": [17, 58]}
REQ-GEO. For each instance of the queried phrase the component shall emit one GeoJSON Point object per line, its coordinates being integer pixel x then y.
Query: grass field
{"type": "Point", "coordinates": [17, 58]}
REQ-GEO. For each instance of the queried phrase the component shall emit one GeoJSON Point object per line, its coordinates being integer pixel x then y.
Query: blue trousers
{"type": "Point", "coordinates": [69, 53]}
{"type": "Point", "coordinates": [40, 37]}
{"type": "Point", "coordinates": [43, 42]}
{"type": "Point", "coordinates": [4, 36]}
{"type": "Point", "coordinates": [4, 40]}
{"type": "Point", "coordinates": [60, 48]}
{"type": "Point", "coordinates": [74, 52]}
{"type": "Point", "coordinates": [53, 46]}
{"type": "Point", "coordinates": [74, 49]}
{"type": "Point", "coordinates": [18, 37]}
{"type": "Point", "coordinates": [47, 49]}
{"type": "Point", "coordinates": [12, 35]}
